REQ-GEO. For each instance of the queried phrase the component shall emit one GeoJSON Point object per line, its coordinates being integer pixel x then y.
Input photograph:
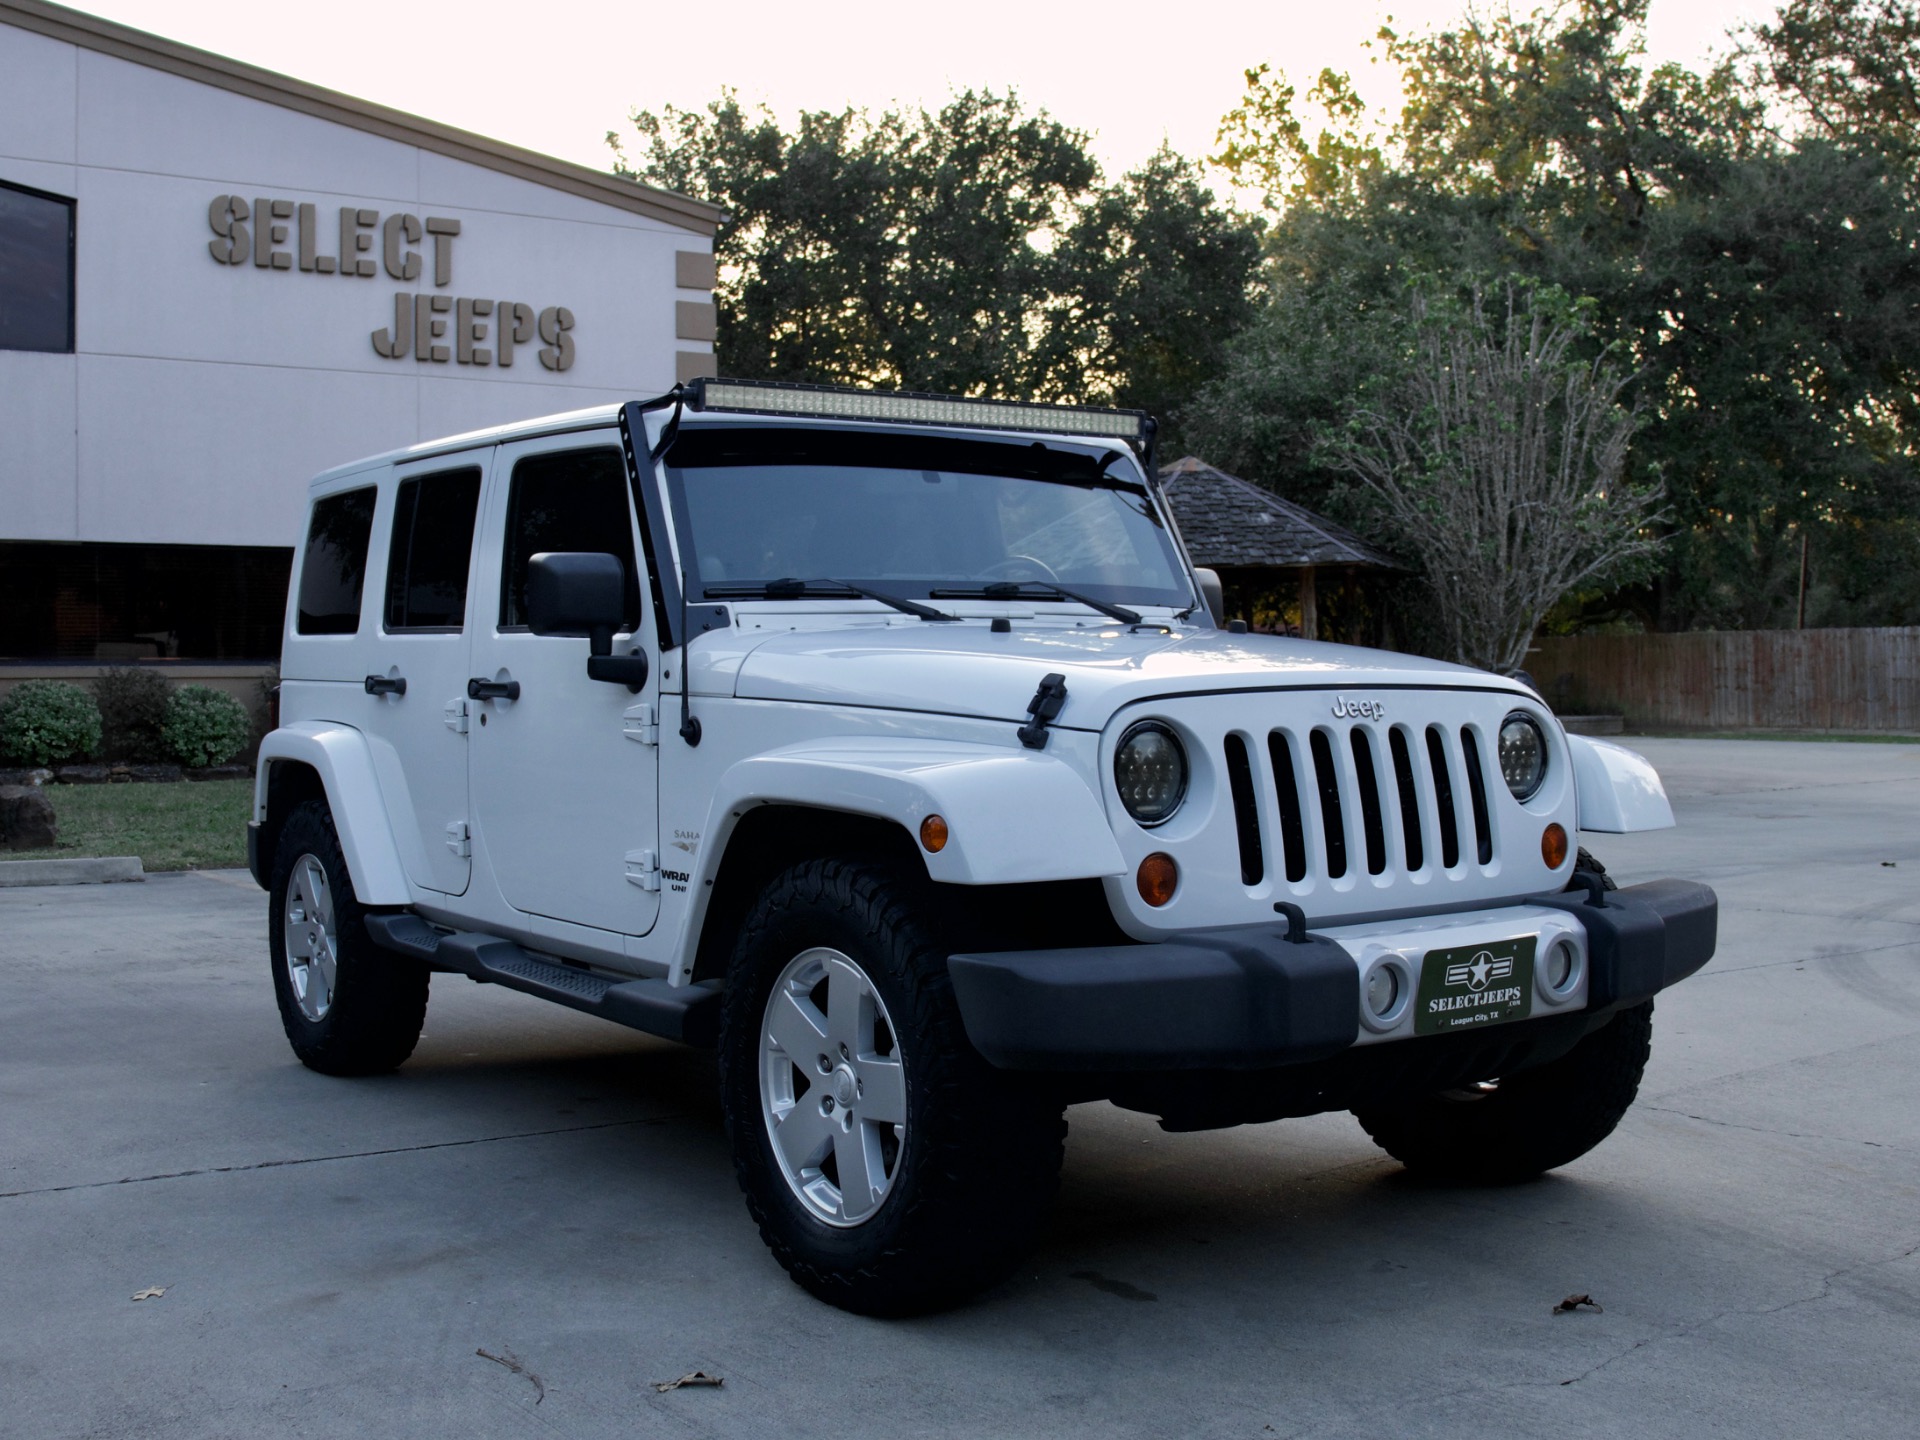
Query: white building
{"type": "Point", "coordinates": [216, 280]}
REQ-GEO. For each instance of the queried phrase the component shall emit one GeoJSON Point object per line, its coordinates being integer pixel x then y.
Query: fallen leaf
{"type": "Point", "coordinates": [696, 1377]}
{"type": "Point", "coordinates": [1577, 1302]}
{"type": "Point", "coordinates": [152, 1292]}
{"type": "Point", "coordinates": [517, 1366]}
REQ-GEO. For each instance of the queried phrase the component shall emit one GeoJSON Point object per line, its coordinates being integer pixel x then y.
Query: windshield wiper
{"type": "Point", "coordinates": [788, 588]}
{"type": "Point", "coordinates": [1014, 589]}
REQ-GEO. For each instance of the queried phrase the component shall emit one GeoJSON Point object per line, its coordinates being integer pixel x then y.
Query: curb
{"type": "Point", "coordinates": [105, 871]}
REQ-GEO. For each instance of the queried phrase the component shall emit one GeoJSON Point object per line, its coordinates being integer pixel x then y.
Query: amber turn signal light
{"type": "Point", "coordinates": [933, 834]}
{"type": "Point", "coordinates": [1157, 879]}
{"type": "Point", "coordinates": [1553, 846]}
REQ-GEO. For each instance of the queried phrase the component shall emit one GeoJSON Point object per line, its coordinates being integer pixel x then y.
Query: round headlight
{"type": "Point", "coordinates": [1523, 755]}
{"type": "Point", "coordinates": [1150, 770]}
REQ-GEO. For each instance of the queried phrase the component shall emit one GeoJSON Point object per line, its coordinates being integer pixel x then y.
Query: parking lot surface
{"type": "Point", "coordinates": [556, 1192]}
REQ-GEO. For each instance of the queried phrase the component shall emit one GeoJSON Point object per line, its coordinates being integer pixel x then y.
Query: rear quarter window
{"type": "Point", "coordinates": [334, 569]}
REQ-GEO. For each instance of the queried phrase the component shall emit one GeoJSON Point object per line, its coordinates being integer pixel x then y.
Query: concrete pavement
{"type": "Point", "coordinates": [557, 1192]}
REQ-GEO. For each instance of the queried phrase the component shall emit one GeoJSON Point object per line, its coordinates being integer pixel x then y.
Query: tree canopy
{"type": "Point", "coordinates": [975, 250]}
{"type": "Point", "coordinates": [1746, 236]}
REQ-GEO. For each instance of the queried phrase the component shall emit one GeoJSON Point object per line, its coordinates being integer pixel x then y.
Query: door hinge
{"type": "Point", "coordinates": [640, 724]}
{"type": "Point", "coordinates": [459, 841]}
{"type": "Point", "coordinates": [456, 716]}
{"type": "Point", "coordinates": [643, 869]}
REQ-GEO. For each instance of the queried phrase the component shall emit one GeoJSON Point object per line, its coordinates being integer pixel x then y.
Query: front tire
{"type": "Point", "coordinates": [1522, 1125]}
{"type": "Point", "coordinates": [348, 1007]}
{"type": "Point", "coordinates": [889, 1168]}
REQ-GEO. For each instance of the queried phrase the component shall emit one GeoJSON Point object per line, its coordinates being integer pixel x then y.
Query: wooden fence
{"type": "Point", "coordinates": [1733, 680]}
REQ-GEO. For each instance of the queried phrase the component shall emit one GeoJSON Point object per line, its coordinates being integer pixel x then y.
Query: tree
{"type": "Point", "coordinates": [974, 251]}
{"type": "Point", "coordinates": [1762, 287]}
{"type": "Point", "coordinates": [1497, 457]}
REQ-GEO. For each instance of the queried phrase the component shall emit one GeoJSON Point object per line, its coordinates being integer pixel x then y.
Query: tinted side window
{"type": "Point", "coordinates": [335, 563]}
{"type": "Point", "coordinates": [568, 500]}
{"type": "Point", "coordinates": [432, 543]}
{"type": "Point", "coordinates": [36, 270]}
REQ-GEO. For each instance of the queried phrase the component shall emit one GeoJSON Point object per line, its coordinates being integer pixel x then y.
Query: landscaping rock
{"type": "Point", "coordinates": [83, 774]}
{"type": "Point", "coordinates": [221, 772]}
{"type": "Point", "coordinates": [26, 818]}
{"type": "Point", "coordinates": [154, 774]}
{"type": "Point", "coordinates": [25, 777]}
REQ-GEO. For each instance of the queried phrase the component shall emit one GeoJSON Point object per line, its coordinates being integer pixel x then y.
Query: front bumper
{"type": "Point", "coordinates": [1248, 998]}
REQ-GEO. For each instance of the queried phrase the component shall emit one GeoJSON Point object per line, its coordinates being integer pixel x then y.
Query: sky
{"type": "Point", "coordinates": [556, 75]}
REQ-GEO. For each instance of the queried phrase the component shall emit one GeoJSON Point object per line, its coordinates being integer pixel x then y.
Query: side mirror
{"type": "Point", "coordinates": [1213, 592]}
{"type": "Point", "coordinates": [582, 593]}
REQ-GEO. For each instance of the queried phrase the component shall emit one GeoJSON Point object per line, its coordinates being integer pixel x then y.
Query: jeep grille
{"type": "Point", "coordinates": [1341, 804]}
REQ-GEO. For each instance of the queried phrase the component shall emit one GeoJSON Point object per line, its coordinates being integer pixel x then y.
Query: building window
{"type": "Point", "coordinates": [36, 270]}
{"type": "Point", "coordinates": [116, 604]}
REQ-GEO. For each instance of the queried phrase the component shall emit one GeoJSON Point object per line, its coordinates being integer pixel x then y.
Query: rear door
{"type": "Point", "coordinates": [414, 702]}
{"type": "Point", "coordinates": [564, 775]}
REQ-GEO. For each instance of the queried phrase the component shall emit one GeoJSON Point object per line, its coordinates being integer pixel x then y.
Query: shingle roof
{"type": "Point", "coordinates": [1229, 523]}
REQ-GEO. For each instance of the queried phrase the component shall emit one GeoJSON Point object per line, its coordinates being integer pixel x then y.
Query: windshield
{"type": "Point", "coordinates": [914, 515]}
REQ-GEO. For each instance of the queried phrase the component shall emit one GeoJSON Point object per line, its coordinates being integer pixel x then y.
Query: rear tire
{"type": "Point", "coordinates": [890, 1169]}
{"type": "Point", "coordinates": [348, 1006]}
{"type": "Point", "coordinates": [1522, 1125]}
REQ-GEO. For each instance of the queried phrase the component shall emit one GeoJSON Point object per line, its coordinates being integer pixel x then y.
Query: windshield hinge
{"type": "Point", "coordinates": [643, 869]}
{"type": "Point", "coordinates": [641, 725]}
{"type": "Point", "coordinates": [456, 716]}
{"type": "Point", "coordinates": [1045, 706]}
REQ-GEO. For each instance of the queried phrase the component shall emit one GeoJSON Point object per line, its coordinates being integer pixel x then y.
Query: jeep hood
{"type": "Point", "coordinates": [967, 670]}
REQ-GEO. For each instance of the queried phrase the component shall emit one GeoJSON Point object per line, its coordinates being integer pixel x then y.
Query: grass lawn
{"type": "Point", "coordinates": [186, 826]}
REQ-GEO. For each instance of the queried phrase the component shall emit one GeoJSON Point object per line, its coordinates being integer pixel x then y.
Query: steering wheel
{"type": "Point", "coordinates": [1006, 568]}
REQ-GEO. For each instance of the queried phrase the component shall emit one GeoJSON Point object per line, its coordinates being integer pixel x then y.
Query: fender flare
{"type": "Point", "coordinates": [1618, 789]}
{"type": "Point", "coordinates": [1013, 816]}
{"type": "Point", "coordinates": [340, 756]}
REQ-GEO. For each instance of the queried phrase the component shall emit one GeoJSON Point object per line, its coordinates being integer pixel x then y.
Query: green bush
{"type": "Point", "coordinates": [45, 722]}
{"type": "Point", "coordinates": [133, 711]}
{"type": "Point", "coordinates": [205, 726]}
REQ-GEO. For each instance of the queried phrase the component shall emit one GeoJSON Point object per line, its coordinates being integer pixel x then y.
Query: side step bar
{"type": "Point", "coordinates": [687, 1013]}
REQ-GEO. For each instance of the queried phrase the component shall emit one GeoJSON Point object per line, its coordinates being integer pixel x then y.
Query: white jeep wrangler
{"type": "Point", "coordinates": [888, 743]}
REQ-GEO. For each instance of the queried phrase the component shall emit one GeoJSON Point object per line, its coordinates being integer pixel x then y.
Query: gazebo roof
{"type": "Point", "coordinates": [1229, 523]}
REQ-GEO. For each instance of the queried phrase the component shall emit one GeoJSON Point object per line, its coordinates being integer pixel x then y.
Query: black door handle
{"type": "Point", "coordinates": [478, 689]}
{"type": "Point", "coordinates": [386, 684]}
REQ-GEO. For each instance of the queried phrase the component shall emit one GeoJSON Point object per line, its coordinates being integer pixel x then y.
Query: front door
{"type": "Point", "coordinates": [565, 782]}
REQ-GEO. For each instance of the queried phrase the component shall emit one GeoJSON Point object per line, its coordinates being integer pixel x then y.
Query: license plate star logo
{"type": "Point", "coordinates": [1479, 972]}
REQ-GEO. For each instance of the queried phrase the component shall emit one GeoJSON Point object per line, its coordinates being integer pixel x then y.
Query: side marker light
{"type": "Point", "coordinates": [933, 834]}
{"type": "Point", "coordinates": [1553, 846]}
{"type": "Point", "coordinates": [1158, 878]}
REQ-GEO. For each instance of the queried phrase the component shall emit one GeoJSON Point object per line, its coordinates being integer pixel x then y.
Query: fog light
{"type": "Point", "coordinates": [1553, 846]}
{"type": "Point", "coordinates": [1560, 972]}
{"type": "Point", "coordinates": [933, 834]}
{"type": "Point", "coordinates": [1386, 993]}
{"type": "Point", "coordinates": [1383, 990]}
{"type": "Point", "coordinates": [1157, 879]}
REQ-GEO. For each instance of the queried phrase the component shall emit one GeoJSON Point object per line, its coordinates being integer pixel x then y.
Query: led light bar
{"type": "Point", "coordinates": [773, 397]}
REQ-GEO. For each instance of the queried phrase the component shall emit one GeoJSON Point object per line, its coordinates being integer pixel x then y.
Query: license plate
{"type": "Point", "coordinates": [1474, 985]}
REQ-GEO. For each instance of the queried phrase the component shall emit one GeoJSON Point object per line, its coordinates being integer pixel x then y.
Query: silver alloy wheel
{"type": "Point", "coordinates": [312, 941]}
{"type": "Point", "coordinates": [833, 1087]}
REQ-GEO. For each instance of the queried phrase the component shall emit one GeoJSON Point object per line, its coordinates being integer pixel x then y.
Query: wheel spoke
{"type": "Point", "coordinates": [798, 1029]}
{"type": "Point", "coordinates": [299, 946]}
{"type": "Point", "coordinates": [804, 1136]}
{"type": "Point", "coordinates": [849, 1008]}
{"type": "Point", "coordinates": [856, 1152]}
{"type": "Point", "coordinates": [883, 1096]}
{"type": "Point", "coordinates": [319, 983]}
